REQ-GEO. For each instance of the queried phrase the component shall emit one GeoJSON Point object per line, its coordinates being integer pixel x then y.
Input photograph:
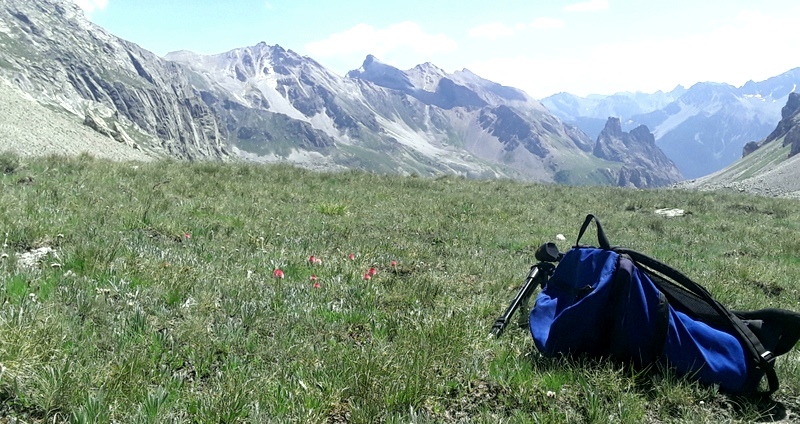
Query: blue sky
{"type": "Point", "coordinates": [581, 47]}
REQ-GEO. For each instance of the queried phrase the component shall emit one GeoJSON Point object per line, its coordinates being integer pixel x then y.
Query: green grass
{"type": "Point", "coordinates": [160, 305]}
{"type": "Point", "coordinates": [754, 163]}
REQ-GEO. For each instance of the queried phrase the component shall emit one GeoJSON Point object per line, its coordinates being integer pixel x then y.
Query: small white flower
{"type": "Point", "coordinates": [560, 237]}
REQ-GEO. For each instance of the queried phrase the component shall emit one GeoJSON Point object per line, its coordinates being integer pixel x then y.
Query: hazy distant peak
{"type": "Point", "coordinates": [382, 74]}
{"type": "Point", "coordinates": [370, 61]}
{"type": "Point", "coordinates": [466, 71]}
{"type": "Point", "coordinates": [613, 127]}
{"type": "Point", "coordinates": [429, 67]}
{"type": "Point", "coordinates": [181, 56]}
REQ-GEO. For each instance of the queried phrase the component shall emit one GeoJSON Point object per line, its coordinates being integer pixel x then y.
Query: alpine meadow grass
{"type": "Point", "coordinates": [147, 292]}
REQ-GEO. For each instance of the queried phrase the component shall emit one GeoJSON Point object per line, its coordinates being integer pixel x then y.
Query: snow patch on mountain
{"type": "Point", "coordinates": [673, 121]}
{"type": "Point", "coordinates": [426, 76]}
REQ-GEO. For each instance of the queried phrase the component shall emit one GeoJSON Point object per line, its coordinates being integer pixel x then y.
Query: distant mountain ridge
{"type": "Point", "coordinates": [266, 103]}
{"type": "Point", "coordinates": [702, 129]}
{"type": "Point", "coordinates": [768, 167]}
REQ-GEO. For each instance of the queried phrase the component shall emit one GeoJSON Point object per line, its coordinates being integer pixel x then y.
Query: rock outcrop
{"type": "Point", "coordinates": [644, 164]}
{"type": "Point", "coordinates": [63, 60]}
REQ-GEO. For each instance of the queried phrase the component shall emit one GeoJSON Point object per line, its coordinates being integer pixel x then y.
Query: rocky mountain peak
{"type": "Point", "coordinates": [369, 61]}
{"type": "Point", "coordinates": [381, 74]}
{"type": "Point", "coordinates": [644, 164]}
{"type": "Point", "coordinates": [788, 128]}
{"type": "Point", "coordinates": [429, 67]}
{"type": "Point", "coordinates": [792, 106]}
{"type": "Point", "coordinates": [643, 134]}
{"type": "Point", "coordinates": [426, 76]}
{"type": "Point", "coordinates": [613, 128]}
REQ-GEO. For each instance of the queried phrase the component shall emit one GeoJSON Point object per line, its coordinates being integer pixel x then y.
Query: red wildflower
{"type": "Point", "coordinates": [367, 276]}
{"type": "Point", "coordinates": [316, 285]}
{"type": "Point", "coordinates": [394, 264]}
{"type": "Point", "coordinates": [312, 259]}
{"type": "Point", "coordinates": [277, 273]}
{"type": "Point", "coordinates": [351, 256]}
{"type": "Point", "coordinates": [372, 271]}
{"type": "Point", "coordinates": [313, 278]}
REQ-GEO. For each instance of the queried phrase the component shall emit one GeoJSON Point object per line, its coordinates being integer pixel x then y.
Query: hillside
{"type": "Point", "coordinates": [769, 167]}
{"type": "Point", "coordinates": [29, 129]}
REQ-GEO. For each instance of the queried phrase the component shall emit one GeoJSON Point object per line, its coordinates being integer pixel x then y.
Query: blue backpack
{"type": "Point", "coordinates": [618, 303]}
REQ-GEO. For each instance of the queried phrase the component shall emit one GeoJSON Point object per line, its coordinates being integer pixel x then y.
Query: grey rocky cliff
{"type": "Point", "coordinates": [116, 131]}
{"type": "Point", "coordinates": [63, 60]}
{"type": "Point", "coordinates": [789, 126]}
{"type": "Point", "coordinates": [644, 164]}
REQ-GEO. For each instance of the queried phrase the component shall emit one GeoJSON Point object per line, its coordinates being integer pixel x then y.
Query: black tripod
{"type": "Point", "coordinates": [546, 254]}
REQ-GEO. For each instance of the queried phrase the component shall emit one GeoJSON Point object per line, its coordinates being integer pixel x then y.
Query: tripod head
{"type": "Point", "coordinates": [548, 252]}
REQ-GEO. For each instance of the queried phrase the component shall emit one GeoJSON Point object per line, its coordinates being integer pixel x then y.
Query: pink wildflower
{"type": "Point", "coordinates": [277, 273]}
{"type": "Point", "coordinates": [351, 257]}
{"type": "Point", "coordinates": [367, 276]}
{"type": "Point", "coordinates": [372, 271]}
{"type": "Point", "coordinates": [313, 278]}
{"type": "Point", "coordinates": [316, 285]}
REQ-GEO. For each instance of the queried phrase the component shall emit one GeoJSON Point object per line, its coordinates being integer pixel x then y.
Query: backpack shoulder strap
{"type": "Point", "coordinates": [601, 235]}
{"type": "Point", "coordinates": [763, 358]}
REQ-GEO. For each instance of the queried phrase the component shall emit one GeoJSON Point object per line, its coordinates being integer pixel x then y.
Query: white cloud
{"type": "Point", "coordinates": [753, 46]}
{"type": "Point", "coordinates": [495, 30]}
{"type": "Point", "coordinates": [547, 23]}
{"type": "Point", "coordinates": [366, 39]}
{"type": "Point", "coordinates": [588, 6]}
{"type": "Point", "coordinates": [492, 31]}
{"type": "Point", "coordinates": [91, 5]}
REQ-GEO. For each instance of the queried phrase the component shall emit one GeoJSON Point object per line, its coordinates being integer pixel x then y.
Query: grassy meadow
{"type": "Point", "coordinates": [156, 299]}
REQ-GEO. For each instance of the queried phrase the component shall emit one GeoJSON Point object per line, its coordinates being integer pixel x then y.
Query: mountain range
{"type": "Point", "coordinates": [769, 167]}
{"type": "Point", "coordinates": [702, 129]}
{"type": "Point", "coordinates": [266, 103]}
